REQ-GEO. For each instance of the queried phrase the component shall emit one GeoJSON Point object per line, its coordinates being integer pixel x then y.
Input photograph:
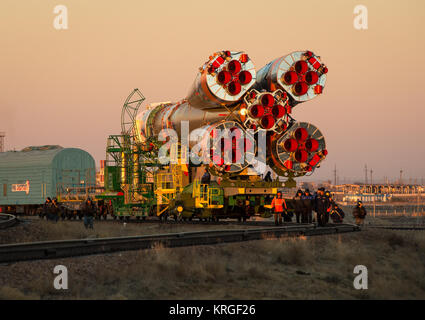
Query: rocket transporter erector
{"type": "Point", "coordinates": [228, 93]}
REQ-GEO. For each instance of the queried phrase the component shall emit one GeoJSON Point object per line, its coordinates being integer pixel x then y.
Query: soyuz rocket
{"type": "Point", "coordinates": [228, 93]}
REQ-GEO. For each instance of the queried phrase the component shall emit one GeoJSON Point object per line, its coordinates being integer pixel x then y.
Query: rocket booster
{"type": "Point", "coordinates": [229, 94]}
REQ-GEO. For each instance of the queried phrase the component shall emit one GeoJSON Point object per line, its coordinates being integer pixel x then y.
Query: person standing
{"type": "Point", "coordinates": [321, 205]}
{"type": "Point", "coordinates": [268, 177]}
{"type": "Point", "coordinates": [45, 211]}
{"type": "Point", "coordinates": [206, 177]}
{"type": "Point", "coordinates": [89, 211]}
{"type": "Point", "coordinates": [307, 200]}
{"type": "Point", "coordinates": [298, 206]}
{"type": "Point", "coordinates": [277, 204]}
{"type": "Point", "coordinates": [359, 213]}
{"type": "Point", "coordinates": [55, 210]}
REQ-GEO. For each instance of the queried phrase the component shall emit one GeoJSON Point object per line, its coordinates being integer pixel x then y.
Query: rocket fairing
{"type": "Point", "coordinates": [229, 94]}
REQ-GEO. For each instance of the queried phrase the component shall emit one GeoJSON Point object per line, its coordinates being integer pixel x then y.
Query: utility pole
{"type": "Point", "coordinates": [2, 135]}
{"type": "Point", "coordinates": [335, 175]}
{"type": "Point", "coordinates": [371, 180]}
{"type": "Point", "coordinates": [365, 174]}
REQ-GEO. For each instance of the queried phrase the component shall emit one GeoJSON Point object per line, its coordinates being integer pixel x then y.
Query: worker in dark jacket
{"type": "Point", "coordinates": [298, 205]}
{"type": "Point", "coordinates": [337, 215]}
{"type": "Point", "coordinates": [54, 210]}
{"type": "Point", "coordinates": [359, 213]}
{"type": "Point", "coordinates": [206, 178]}
{"type": "Point", "coordinates": [45, 212]}
{"type": "Point", "coordinates": [89, 211]}
{"type": "Point", "coordinates": [268, 177]}
{"type": "Point", "coordinates": [307, 200]}
{"type": "Point", "coordinates": [322, 206]}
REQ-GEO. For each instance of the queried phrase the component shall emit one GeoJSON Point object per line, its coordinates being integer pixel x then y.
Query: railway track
{"type": "Point", "coordinates": [7, 220]}
{"type": "Point", "coordinates": [414, 228]}
{"type": "Point", "coordinates": [230, 221]}
{"type": "Point", "coordinates": [70, 248]}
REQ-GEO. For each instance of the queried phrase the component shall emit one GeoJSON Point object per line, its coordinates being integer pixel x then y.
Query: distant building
{"type": "Point", "coordinates": [366, 197]}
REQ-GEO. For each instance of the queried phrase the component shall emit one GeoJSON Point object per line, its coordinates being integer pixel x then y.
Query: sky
{"type": "Point", "coordinates": [67, 87]}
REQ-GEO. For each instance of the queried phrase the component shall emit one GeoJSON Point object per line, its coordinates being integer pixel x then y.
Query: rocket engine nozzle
{"type": "Point", "coordinates": [299, 149]}
{"type": "Point", "coordinates": [231, 148]}
{"type": "Point", "coordinates": [266, 110]}
{"type": "Point", "coordinates": [301, 74]}
{"type": "Point", "coordinates": [222, 80]}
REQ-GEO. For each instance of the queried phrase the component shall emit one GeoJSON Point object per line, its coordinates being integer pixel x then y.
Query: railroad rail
{"type": "Point", "coordinates": [69, 248]}
{"type": "Point", "coordinates": [7, 220]}
{"type": "Point", "coordinates": [407, 227]}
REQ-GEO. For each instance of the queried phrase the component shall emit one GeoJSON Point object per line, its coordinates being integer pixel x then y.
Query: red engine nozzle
{"type": "Point", "coordinates": [278, 111]}
{"type": "Point", "coordinates": [234, 66]}
{"type": "Point", "coordinates": [300, 88]}
{"type": "Point", "coordinates": [301, 66]}
{"type": "Point", "coordinates": [267, 122]}
{"type": "Point", "coordinates": [290, 77]}
{"type": "Point", "coordinates": [245, 77]}
{"type": "Point", "coordinates": [224, 77]}
{"type": "Point", "coordinates": [311, 145]}
{"type": "Point", "coordinates": [311, 77]}
{"type": "Point", "coordinates": [290, 145]}
{"type": "Point", "coordinates": [301, 156]}
{"type": "Point", "coordinates": [301, 134]}
{"type": "Point", "coordinates": [267, 100]}
{"type": "Point", "coordinates": [256, 111]}
{"type": "Point", "coordinates": [234, 88]}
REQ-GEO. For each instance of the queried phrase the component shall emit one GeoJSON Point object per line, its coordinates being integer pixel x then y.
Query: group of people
{"type": "Point", "coordinates": [54, 211]}
{"type": "Point", "coordinates": [322, 203]}
{"type": "Point", "coordinates": [51, 210]}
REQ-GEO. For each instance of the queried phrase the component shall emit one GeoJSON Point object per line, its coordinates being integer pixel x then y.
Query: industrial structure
{"type": "Point", "coordinates": [233, 124]}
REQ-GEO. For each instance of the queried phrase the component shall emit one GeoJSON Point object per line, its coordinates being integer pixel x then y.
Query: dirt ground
{"type": "Point", "coordinates": [318, 267]}
{"type": "Point", "coordinates": [34, 229]}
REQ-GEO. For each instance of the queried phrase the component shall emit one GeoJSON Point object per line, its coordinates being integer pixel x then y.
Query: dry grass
{"type": "Point", "coordinates": [42, 230]}
{"type": "Point", "coordinates": [291, 268]}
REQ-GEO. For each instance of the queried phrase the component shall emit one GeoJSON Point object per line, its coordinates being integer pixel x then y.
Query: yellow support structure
{"type": "Point", "coordinates": [170, 180]}
{"type": "Point", "coordinates": [202, 194]}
